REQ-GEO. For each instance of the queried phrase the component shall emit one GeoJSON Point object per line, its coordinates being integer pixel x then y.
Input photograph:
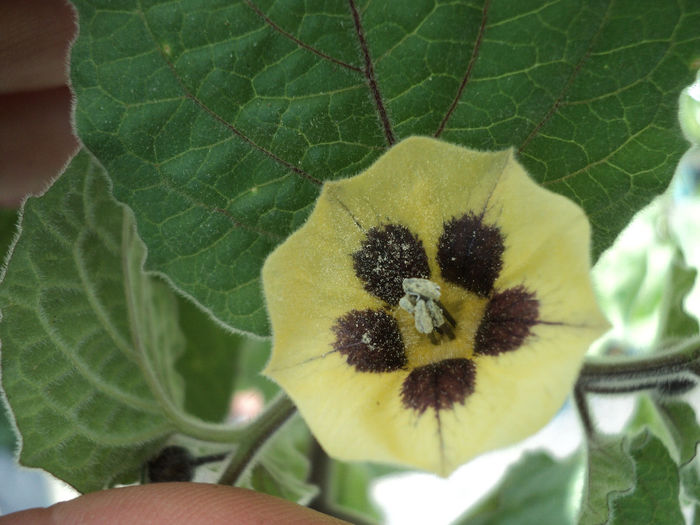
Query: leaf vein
{"type": "Point", "coordinates": [468, 72]}
{"type": "Point", "coordinates": [369, 74]}
{"type": "Point", "coordinates": [220, 119]}
{"type": "Point", "coordinates": [216, 209]}
{"type": "Point", "coordinates": [85, 371]}
{"type": "Point", "coordinates": [569, 82]}
{"type": "Point", "coordinates": [291, 37]}
{"type": "Point", "coordinates": [93, 300]}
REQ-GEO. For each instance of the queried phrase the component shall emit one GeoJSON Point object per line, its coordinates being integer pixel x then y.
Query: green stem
{"type": "Point", "coordinates": [198, 429]}
{"type": "Point", "coordinates": [321, 475]}
{"type": "Point", "coordinates": [183, 422]}
{"type": "Point", "coordinates": [606, 376]}
{"type": "Point", "coordinates": [255, 436]}
{"type": "Point", "coordinates": [584, 413]}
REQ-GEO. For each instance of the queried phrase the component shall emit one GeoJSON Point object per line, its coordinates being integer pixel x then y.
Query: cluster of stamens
{"type": "Point", "coordinates": [422, 301]}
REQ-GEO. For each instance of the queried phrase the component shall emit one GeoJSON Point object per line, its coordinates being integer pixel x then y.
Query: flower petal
{"type": "Point", "coordinates": [389, 254]}
{"type": "Point", "coordinates": [507, 321]}
{"type": "Point", "coordinates": [370, 340]}
{"type": "Point", "coordinates": [438, 385]}
{"type": "Point", "coordinates": [470, 253]}
{"type": "Point", "coordinates": [512, 263]}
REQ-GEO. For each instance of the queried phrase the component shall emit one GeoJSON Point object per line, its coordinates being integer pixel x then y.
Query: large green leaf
{"type": "Point", "coordinates": [88, 339]}
{"type": "Point", "coordinates": [673, 421]}
{"type": "Point", "coordinates": [217, 120]}
{"type": "Point", "coordinates": [682, 423]}
{"type": "Point", "coordinates": [8, 219]}
{"type": "Point", "coordinates": [609, 473]}
{"type": "Point", "coordinates": [690, 487]}
{"type": "Point", "coordinates": [8, 440]}
{"type": "Point", "coordinates": [655, 497]}
{"type": "Point", "coordinates": [536, 490]}
{"type": "Point", "coordinates": [676, 322]}
{"type": "Point", "coordinates": [207, 364]}
{"type": "Point", "coordinates": [217, 362]}
{"type": "Point", "coordinates": [630, 480]}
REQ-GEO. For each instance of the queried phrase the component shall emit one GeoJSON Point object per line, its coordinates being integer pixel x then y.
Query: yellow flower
{"type": "Point", "coordinates": [432, 308]}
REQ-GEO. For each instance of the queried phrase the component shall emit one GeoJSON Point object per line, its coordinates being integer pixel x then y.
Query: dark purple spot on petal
{"type": "Point", "coordinates": [370, 340]}
{"type": "Point", "coordinates": [389, 255]}
{"type": "Point", "coordinates": [507, 321]}
{"type": "Point", "coordinates": [470, 254]}
{"type": "Point", "coordinates": [439, 385]}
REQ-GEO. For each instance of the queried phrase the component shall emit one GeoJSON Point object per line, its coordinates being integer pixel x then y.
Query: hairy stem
{"type": "Point", "coordinates": [255, 436]}
{"type": "Point", "coordinates": [583, 412]}
{"type": "Point", "coordinates": [677, 365]}
{"type": "Point", "coordinates": [320, 474]}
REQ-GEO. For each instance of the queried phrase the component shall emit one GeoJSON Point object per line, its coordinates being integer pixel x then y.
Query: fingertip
{"type": "Point", "coordinates": [36, 141]}
{"type": "Point", "coordinates": [34, 41]}
{"type": "Point", "coordinates": [25, 517]}
{"type": "Point", "coordinates": [173, 504]}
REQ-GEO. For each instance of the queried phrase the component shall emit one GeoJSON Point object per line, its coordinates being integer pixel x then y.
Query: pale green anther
{"type": "Point", "coordinates": [419, 301]}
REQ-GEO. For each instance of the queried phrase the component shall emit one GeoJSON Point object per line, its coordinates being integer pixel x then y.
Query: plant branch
{"type": "Point", "coordinates": [680, 364]}
{"type": "Point", "coordinates": [320, 473]}
{"type": "Point", "coordinates": [256, 434]}
{"type": "Point", "coordinates": [583, 412]}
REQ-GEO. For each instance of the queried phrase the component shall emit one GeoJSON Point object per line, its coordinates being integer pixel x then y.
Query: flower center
{"type": "Point", "coordinates": [422, 300]}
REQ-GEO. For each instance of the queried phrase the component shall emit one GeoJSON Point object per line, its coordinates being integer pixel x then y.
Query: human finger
{"type": "Point", "coordinates": [36, 141]}
{"type": "Point", "coordinates": [173, 504]}
{"type": "Point", "coordinates": [34, 41]}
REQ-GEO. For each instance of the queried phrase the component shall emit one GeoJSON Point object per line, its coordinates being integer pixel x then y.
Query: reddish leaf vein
{"type": "Point", "coordinates": [229, 126]}
{"type": "Point", "coordinates": [299, 42]}
{"type": "Point", "coordinates": [369, 73]}
{"type": "Point", "coordinates": [470, 66]}
{"type": "Point", "coordinates": [558, 102]}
